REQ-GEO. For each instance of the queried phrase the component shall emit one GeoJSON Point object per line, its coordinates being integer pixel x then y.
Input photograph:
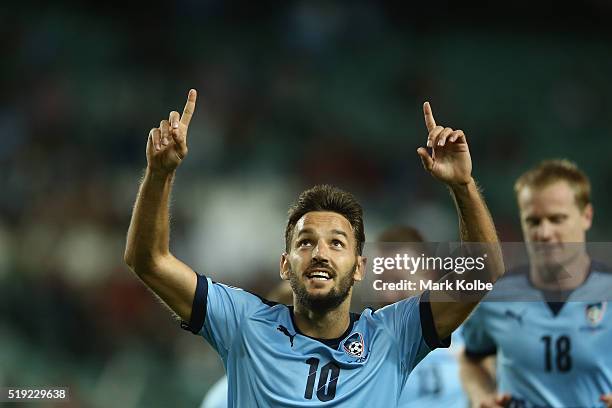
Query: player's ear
{"type": "Point", "coordinates": [587, 216]}
{"type": "Point", "coordinates": [360, 269]}
{"type": "Point", "coordinates": [284, 266]}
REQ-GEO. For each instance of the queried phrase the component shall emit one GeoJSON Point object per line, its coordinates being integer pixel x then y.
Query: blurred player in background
{"type": "Point", "coordinates": [435, 381]}
{"type": "Point", "coordinates": [315, 352]}
{"type": "Point", "coordinates": [555, 352]}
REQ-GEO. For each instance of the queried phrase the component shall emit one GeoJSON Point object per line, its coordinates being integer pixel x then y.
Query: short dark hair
{"type": "Point", "coordinates": [403, 237]}
{"type": "Point", "coordinates": [327, 198]}
{"type": "Point", "coordinates": [401, 233]}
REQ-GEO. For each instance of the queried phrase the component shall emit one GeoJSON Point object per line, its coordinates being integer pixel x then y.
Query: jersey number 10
{"type": "Point", "coordinates": [328, 378]}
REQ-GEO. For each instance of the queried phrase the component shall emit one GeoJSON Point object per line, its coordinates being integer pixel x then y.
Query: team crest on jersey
{"type": "Point", "coordinates": [353, 346]}
{"type": "Point", "coordinates": [595, 313]}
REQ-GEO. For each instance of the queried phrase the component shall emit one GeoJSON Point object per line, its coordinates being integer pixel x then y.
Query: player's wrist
{"type": "Point", "coordinates": [160, 173]}
{"type": "Point", "coordinates": [479, 395]}
{"type": "Point", "coordinates": [461, 184]}
{"type": "Point", "coordinates": [484, 401]}
{"type": "Point", "coordinates": [463, 188]}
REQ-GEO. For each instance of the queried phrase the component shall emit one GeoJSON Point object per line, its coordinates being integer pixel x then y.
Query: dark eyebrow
{"type": "Point", "coordinates": [305, 231]}
{"type": "Point", "coordinates": [339, 232]}
{"type": "Point", "coordinates": [311, 231]}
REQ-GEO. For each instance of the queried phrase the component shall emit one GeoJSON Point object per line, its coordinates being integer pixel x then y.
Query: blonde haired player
{"type": "Point", "coordinates": [553, 351]}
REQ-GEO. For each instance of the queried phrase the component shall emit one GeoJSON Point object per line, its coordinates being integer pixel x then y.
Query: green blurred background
{"type": "Point", "coordinates": [291, 94]}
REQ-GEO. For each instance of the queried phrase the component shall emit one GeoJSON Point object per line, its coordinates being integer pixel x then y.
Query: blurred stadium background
{"type": "Point", "coordinates": [291, 94]}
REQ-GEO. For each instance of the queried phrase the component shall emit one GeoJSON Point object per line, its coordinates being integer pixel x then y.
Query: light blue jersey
{"type": "Point", "coordinates": [435, 381]}
{"type": "Point", "coordinates": [548, 354]}
{"type": "Point", "coordinates": [269, 363]}
{"type": "Point", "coordinates": [216, 397]}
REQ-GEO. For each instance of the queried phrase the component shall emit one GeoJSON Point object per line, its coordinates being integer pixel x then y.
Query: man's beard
{"type": "Point", "coordinates": [322, 303]}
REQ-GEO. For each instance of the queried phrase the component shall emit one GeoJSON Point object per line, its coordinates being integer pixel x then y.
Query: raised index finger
{"type": "Point", "coordinates": [429, 119]}
{"type": "Point", "coordinates": [189, 107]}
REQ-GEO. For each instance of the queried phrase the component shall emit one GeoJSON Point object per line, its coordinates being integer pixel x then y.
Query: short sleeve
{"type": "Point", "coordinates": [478, 342]}
{"type": "Point", "coordinates": [218, 311]}
{"type": "Point", "coordinates": [411, 323]}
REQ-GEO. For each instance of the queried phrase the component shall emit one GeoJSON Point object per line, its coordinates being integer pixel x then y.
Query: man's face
{"type": "Point", "coordinates": [322, 263]}
{"type": "Point", "coordinates": [554, 227]}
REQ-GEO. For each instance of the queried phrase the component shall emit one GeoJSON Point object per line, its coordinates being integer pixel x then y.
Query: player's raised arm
{"type": "Point", "coordinates": [450, 162]}
{"type": "Point", "coordinates": [147, 250]}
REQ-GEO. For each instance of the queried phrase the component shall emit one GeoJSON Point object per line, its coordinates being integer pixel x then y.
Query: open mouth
{"type": "Point", "coordinates": [319, 275]}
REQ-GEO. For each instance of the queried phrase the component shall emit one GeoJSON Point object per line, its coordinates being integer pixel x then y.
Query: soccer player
{"type": "Point", "coordinates": [315, 353]}
{"type": "Point", "coordinates": [435, 381]}
{"type": "Point", "coordinates": [553, 351]}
